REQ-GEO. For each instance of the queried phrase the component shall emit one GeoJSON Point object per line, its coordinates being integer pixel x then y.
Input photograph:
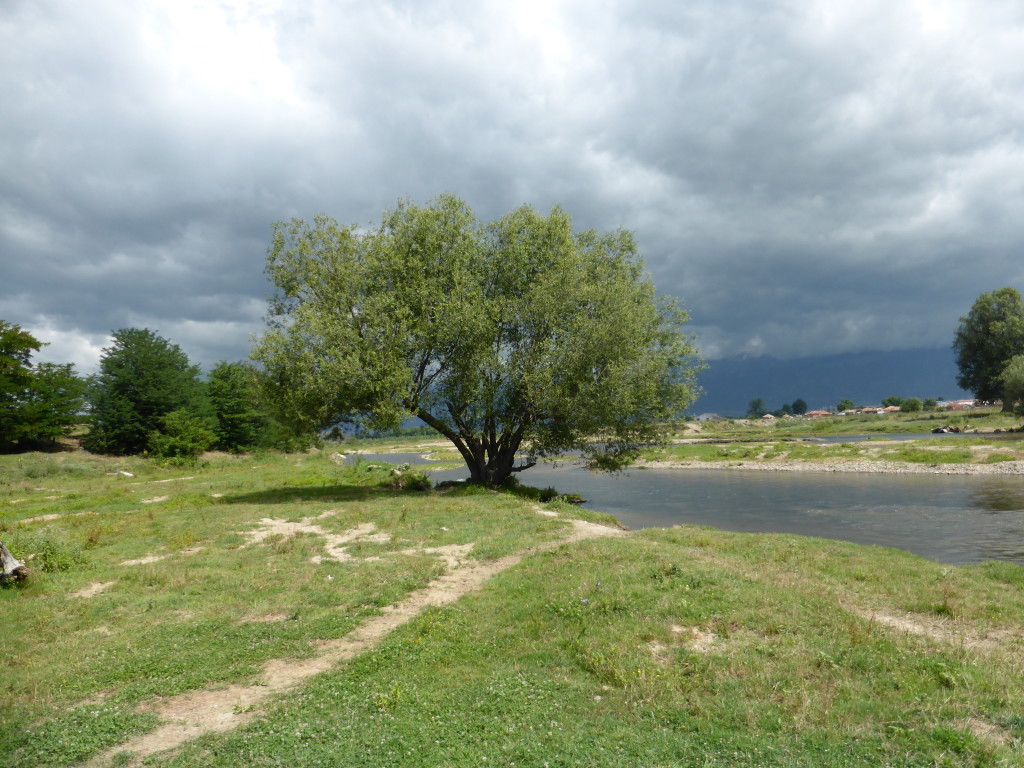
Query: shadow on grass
{"type": "Point", "coordinates": [318, 493]}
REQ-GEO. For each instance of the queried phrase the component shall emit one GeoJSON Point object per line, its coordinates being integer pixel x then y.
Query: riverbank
{"type": "Point", "coordinates": [865, 466]}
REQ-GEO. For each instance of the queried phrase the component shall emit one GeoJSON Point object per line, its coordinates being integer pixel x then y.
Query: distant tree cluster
{"type": "Point", "coordinates": [146, 398]}
{"type": "Point", "coordinates": [39, 402]}
{"type": "Point", "coordinates": [756, 409]}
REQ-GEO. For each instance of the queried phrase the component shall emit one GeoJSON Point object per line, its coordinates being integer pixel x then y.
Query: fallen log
{"type": "Point", "coordinates": [11, 568]}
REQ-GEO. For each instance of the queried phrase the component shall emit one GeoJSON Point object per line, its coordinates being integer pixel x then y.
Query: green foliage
{"type": "Point", "coordinates": [989, 336]}
{"type": "Point", "coordinates": [756, 408]}
{"type": "Point", "coordinates": [799, 407]}
{"type": "Point", "coordinates": [40, 403]}
{"type": "Point", "coordinates": [409, 480]}
{"type": "Point", "coordinates": [76, 735]}
{"type": "Point", "coordinates": [911, 405]}
{"type": "Point", "coordinates": [182, 437]}
{"type": "Point", "coordinates": [142, 378]}
{"type": "Point", "coordinates": [515, 333]}
{"type": "Point", "coordinates": [231, 390]}
{"type": "Point", "coordinates": [513, 486]}
{"type": "Point", "coordinates": [53, 403]}
{"type": "Point", "coordinates": [47, 550]}
{"type": "Point", "coordinates": [892, 401]}
{"type": "Point", "coordinates": [1012, 382]}
{"type": "Point", "coordinates": [930, 403]}
{"type": "Point", "coordinates": [845, 404]}
{"type": "Point", "coordinates": [242, 421]}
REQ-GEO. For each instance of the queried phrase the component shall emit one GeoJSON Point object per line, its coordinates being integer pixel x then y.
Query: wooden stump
{"type": "Point", "coordinates": [11, 568]}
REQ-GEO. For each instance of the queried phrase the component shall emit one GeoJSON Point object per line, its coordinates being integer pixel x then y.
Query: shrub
{"type": "Point", "coordinates": [49, 550]}
{"type": "Point", "coordinates": [409, 481]}
{"type": "Point", "coordinates": [183, 438]}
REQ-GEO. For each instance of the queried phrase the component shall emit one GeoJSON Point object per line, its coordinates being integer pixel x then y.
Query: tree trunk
{"type": "Point", "coordinates": [11, 568]}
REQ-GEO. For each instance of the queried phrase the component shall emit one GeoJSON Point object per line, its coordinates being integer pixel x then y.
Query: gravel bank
{"type": "Point", "coordinates": [852, 465]}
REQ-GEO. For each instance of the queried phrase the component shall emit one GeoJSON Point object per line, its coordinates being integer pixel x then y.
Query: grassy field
{"type": "Point", "coordinates": [984, 420]}
{"type": "Point", "coordinates": [985, 439]}
{"type": "Point", "coordinates": [257, 582]}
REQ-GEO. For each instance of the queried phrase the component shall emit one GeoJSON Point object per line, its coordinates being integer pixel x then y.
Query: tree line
{"type": "Point", "coordinates": [146, 398]}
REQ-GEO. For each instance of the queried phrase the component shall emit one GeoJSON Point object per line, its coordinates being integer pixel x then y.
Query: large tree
{"type": "Point", "coordinates": [38, 402]}
{"type": "Point", "coordinates": [985, 341]}
{"type": "Point", "coordinates": [16, 348]}
{"type": "Point", "coordinates": [518, 334]}
{"type": "Point", "coordinates": [142, 378]}
{"type": "Point", "coordinates": [1012, 382]}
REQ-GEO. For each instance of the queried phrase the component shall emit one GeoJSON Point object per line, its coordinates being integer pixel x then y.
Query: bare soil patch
{"type": "Point", "coordinates": [93, 589]}
{"type": "Point", "coordinates": [986, 733]}
{"type": "Point", "coordinates": [942, 630]}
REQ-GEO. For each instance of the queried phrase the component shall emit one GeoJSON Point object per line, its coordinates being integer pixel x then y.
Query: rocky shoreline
{"type": "Point", "coordinates": [865, 466]}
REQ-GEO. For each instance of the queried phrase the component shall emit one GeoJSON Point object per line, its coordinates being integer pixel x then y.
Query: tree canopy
{"type": "Point", "coordinates": [756, 408]}
{"type": "Point", "coordinates": [142, 378]}
{"type": "Point", "coordinates": [38, 402]}
{"type": "Point", "coordinates": [986, 339]}
{"type": "Point", "coordinates": [515, 334]}
{"type": "Point", "coordinates": [1012, 381]}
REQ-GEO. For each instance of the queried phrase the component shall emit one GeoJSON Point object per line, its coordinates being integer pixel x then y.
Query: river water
{"type": "Point", "coordinates": [952, 519]}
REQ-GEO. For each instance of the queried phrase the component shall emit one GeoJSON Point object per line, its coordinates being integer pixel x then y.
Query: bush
{"type": "Point", "coordinates": [409, 481]}
{"type": "Point", "coordinates": [49, 550]}
{"type": "Point", "coordinates": [183, 438]}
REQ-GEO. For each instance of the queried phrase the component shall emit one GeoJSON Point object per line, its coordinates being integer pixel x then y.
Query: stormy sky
{"type": "Point", "coordinates": [810, 178]}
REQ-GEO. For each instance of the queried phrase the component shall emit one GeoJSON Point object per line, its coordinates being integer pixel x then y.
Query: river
{"type": "Point", "coordinates": [952, 519]}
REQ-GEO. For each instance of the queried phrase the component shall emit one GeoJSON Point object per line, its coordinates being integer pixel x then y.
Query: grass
{"type": "Point", "coordinates": [744, 441]}
{"type": "Point", "coordinates": [667, 647]}
{"type": "Point", "coordinates": [985, 419]}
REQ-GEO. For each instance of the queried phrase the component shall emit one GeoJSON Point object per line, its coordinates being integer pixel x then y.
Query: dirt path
{"type": "Point", "coordinates": [193, 714]}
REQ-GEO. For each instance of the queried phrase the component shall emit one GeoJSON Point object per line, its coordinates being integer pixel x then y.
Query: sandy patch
{"type": "Point", "coordinates": [541, 511]}
{"type": "Point", "coordinates": [267, 618]}
{"type": "Point", "coordinates": [335, 544]}
{"type": "Point", "coordinates": [43, 518]}
{"type": "Point", "coordinates": [157, 558]}
{"type": "Point", "coordinates": [696, 638]}
{"type": "Point", "coordinates": [93, 589]}
{"type": "Point", "coordinates": [144, 560]}
{"type": "Point", "coordinates": [155, 499]}
{"type": "Point", "coordinates": [157, 482]}
{"type": "Point", "coordinates": [943, 631]}
{"type": "Point", "coordinates": [986, 733]}
{"type": "Point", "coordinates": [196, 713]}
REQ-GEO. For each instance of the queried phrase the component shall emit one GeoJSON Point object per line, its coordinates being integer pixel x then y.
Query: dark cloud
{"type": "Point", "coordinates": [809, 178]}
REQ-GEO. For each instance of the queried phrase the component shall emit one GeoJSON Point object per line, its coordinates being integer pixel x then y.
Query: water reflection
{"type": "Point", "coordinates": [1000, 495]}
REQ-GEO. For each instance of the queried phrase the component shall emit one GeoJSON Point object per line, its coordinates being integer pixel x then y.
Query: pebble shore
{"type": "Point", "coordinates": [852, 465]}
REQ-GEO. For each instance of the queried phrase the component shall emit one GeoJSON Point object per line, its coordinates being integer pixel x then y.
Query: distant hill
{"type": "Point", "coordinates": [864, 377]}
